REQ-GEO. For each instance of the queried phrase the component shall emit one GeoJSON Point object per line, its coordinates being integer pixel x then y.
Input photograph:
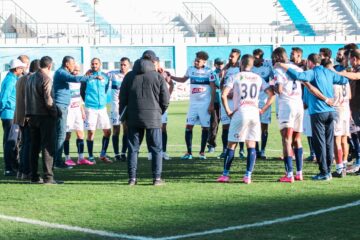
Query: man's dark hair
{"type": "Point", "coordinates": [34, 65]}
{"type": "Point", "coordinates": [351, 46]}
{"type": "Point", "coordinates": [355, 53]}
{"type": "Point", "coordinates": [245, 60]}
{"type": "Point", "coordinates": [314, 58]}
{"type": "Point", "coordinates": [258, 52]}
{"type": "Point", "coordinates": [326, 52]}
{"type": "Point", "coordinates": [66, 59]}
{"type": "Point", "coordinates": [278, 55]}
{"type": "Point", "coordinates": [341, 49]}
{"type": "Point", "coordinates": [297, 49]}
{"type": "Point", "coordinates": [95, 58]}
{"type": "Point", "coordinates": [326, 62]}
{"type": "Point", "coordinates": [123, 59]}
{"type": "Point", "coordinates": [45, 62]}
{"type": "Point", "coordinates": [235, 50]}
{"type": "Point", "coordinates": [202, 55]}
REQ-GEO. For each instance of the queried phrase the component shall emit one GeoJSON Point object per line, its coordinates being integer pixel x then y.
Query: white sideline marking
{"type": "Point", "coordinates": [197, 234]}
{"type": "Point", "coordinates": [264, 223]}
{"type": "Point", "coordinates": [72, 228]}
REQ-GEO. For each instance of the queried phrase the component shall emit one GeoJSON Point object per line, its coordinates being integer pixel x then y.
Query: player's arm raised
{"type": "Point", "coordinates": [180, 79]}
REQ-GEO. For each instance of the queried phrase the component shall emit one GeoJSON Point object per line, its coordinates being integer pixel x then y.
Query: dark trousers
{"type": "Point", "coordinates": [25, 150]}
{"type": "Point", "coordinates": [356, 117]}
{"type": "Point", "coordinates": [42, 137]}
{"type": "Point", "coordinates": [214, 125]}
{"type": "Point", "coordinates": [10, 138]}
{"type": "Point", "coordinates": [154, 143]}
{"type": "Point", "coordinates": [60, 134]}
{"type": "Point", "coordinates": [322, 125]}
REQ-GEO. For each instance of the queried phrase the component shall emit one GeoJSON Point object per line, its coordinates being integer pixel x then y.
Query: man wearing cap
{"type": "Point", "coordinates": [215, 115]}
{"type": "Point", "coordinates": [144, 98]}
{"type": "Point", "coordinates": [7, 109]}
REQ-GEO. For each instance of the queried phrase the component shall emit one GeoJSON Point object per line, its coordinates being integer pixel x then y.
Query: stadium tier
{"type": "Point", "coordinates": [107, 21]}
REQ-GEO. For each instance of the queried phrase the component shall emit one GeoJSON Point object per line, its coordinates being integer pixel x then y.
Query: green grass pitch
{"type": "Point", "coordinates": [97, 197]}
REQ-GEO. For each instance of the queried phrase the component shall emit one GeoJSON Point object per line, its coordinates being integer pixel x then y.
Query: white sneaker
{"type": "Point", "coordinates": [166, 156]}
{"type": "Point", "coordinates": [149, 156]}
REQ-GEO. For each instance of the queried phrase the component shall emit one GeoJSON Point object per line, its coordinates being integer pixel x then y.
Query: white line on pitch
{"type": "Point", "coordinates": [73, 228]}
{"type": "Point", "coordinates": [264, 223]}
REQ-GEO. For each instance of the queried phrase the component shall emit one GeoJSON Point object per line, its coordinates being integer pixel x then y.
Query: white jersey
{"type": "Point", "coordinates": [292, 92]}
{"type": "Point", "coordinates": [200, 90]}
{"type": "Point", "coordinates": [341, 96]}
{"type": "Point", "coordinates": [116, 78]}
{"type": "Point", "coordinates": [246, 87]}
{"type": "Point", "coordinates": [75, 100]}
{"type": "Point", "coordinates": [265, 72]}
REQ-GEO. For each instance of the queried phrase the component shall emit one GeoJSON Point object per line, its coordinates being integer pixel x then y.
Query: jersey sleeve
{"type": "Point", "coordinates": [230, 82]}
{"type": "Point", "coordinates": [187, 74]}
{"type": "Point", "coordinates": [264, 85]}
{"type": "Point", "coordinates": [279, 76]}
{"type": "Point", "coordinates": [212, 76]}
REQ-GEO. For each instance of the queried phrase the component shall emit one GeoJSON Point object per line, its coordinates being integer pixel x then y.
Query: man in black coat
{"type": "Point", "coordinates": [144, 98]}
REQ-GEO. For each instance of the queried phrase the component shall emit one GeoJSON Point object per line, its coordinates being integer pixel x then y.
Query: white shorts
{"type": "Point", "coordinates": [74, 121]}
{"type": "Point", "coordinates": [164, 117]}
{"type": "Point", "coordinates": [265, 118]}
{"type": "Point", "coordinates": [115, 118]}
{"type": "Point", "coordinates": [307, 124]}
{"type": "Point", "coordinates": [342, 123]}
{"type": "Point", "coordinates": [291, 117]}
{"type": "Point", "coordinates": [198, 115]}
{"type": "Point", "coordinates": [96, 119]}
{"type": "Point", "coordinates": [224, 118]}
{"type": "Point", "coordinates": [245, 126]}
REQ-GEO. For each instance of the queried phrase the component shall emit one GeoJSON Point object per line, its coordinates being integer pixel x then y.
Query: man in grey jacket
{"type": "Point", "coordinates": [145, 97]}
{"type": "Point", "coordinates": [43, 113]}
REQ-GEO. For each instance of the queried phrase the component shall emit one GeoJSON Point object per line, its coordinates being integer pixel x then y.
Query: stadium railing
{"type": "Point", "coordinates": [168, 33]}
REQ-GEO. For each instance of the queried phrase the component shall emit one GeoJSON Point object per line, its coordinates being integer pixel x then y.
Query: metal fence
{"type": "Point", "coordinates": [78, 33]}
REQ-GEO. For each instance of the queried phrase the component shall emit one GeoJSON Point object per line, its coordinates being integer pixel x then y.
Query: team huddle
{"type": "Point", "coordinates": [311, 96]}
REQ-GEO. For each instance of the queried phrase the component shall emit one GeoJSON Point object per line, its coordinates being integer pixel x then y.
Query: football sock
{"type": "Point", "coordinates": [188, 140]}
{"type": "Point", "coordinates": [90, 145]}
{"type": "Point", "coordinates": [224, 138]}
{"type": "Point", "coordinates": [250, 163]}
{"type": "Point", "coordinates": [204, 137]}
{"type": "Point", "coordinates": [66, 148]}
{"type": "Point", "coordinates": [115, 142]}
{"type": "Point", "coordinates": [288, 166]}
{"type": "Point", "coordinates": [80, 147]}
{"type": "Point", "coordinates": [298, 158]}
{"type": "Point", "coordinates": [264, 137]}
{"type": "Point", "coordinates": [229, 157]}
{"type": "Point", "coordinates": [105, 144]}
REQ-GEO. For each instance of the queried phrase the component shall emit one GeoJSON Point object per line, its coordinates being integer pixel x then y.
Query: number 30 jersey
{"type": "Point", "coordinates": [246, 87]}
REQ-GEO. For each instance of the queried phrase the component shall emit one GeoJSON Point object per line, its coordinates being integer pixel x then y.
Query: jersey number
{"type": "Point", "coordinates": [252, 91]}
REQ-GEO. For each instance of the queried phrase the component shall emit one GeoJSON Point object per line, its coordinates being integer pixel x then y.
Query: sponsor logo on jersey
{"type": "Point", "coordinates": [198, 90]}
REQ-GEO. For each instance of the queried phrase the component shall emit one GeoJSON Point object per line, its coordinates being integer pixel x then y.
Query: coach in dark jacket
{"type": "Point", "coordinates": [144, 98]}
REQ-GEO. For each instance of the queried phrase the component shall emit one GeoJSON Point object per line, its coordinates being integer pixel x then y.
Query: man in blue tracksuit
{"type": "Point", "coordinates": [321, 113]}
{"type": "Point", "coordinates": [62, 77]}
{"type": "Point", "coordinates": [7, 109]}
{"type": "Point", "coordinates": [95, 110]}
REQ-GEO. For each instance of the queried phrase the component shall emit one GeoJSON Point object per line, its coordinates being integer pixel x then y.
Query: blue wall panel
{"type": "Point", "coordinates": [57, 54]}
